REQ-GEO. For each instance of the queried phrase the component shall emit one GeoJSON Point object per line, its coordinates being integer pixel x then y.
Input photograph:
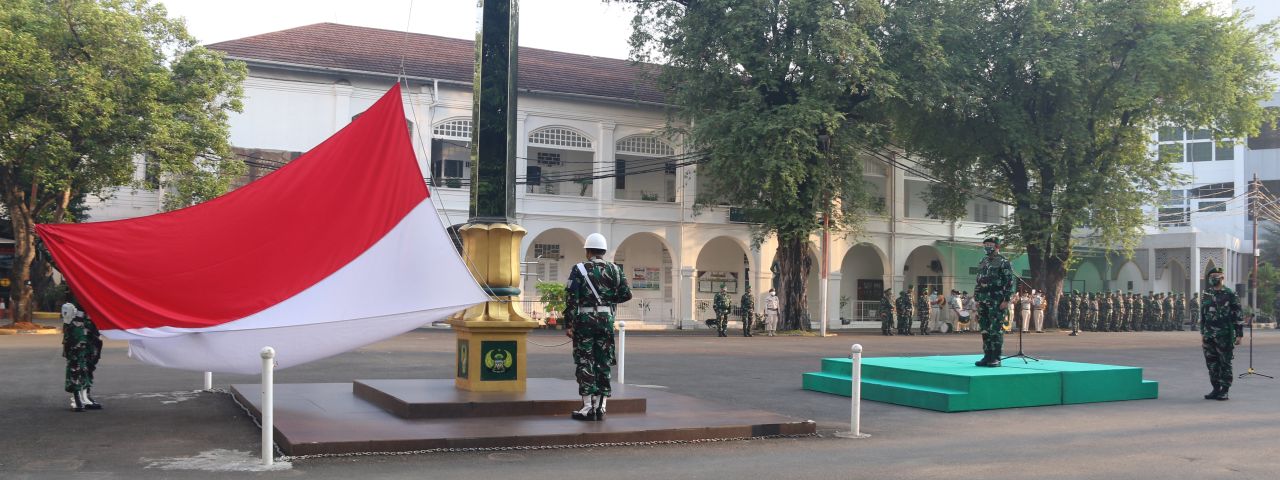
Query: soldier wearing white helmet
{"type": "Point", "coordinates": [594, 290]}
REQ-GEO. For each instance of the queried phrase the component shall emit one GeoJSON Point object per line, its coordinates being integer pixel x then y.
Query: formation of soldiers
{"type": "Point", "coordinates": [1129, 312]}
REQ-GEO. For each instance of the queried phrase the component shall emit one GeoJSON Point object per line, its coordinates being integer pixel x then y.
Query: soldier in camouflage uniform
{"type": "Point", "coordinates": [1064, 310]}
{"type": "Point", "coordinates": [1166, 310]}
{"type": "Point", "coordinates": [903, 308]}
{"type": "Point", "coordinates": [748, 311]}
{"type": "Point", "coordinates": [1074, 315]}
{"type": "Point", "coordinates": [595, 288]}
{"type": "Point", "coordinates": [1104, 311]}
{"type": "Point", "coordinates": [722, 308]}
{"type": "Point", "coordinates": [1121, 309]}
{"type": "Point", "coordinates": [1095, 309]}
{"type": "Point", "coordinates": [82, 347]}
{"type": "Point", "coordinates": [1221, 329]}
{"type": "Point", "coordinates": [886, 313]}
{"type": "Point", "coordinates": [995, 287]}
{"type": "Point", "coordinates": [922, 312]}
{"type": "Point", "coordinates": [1193, 311]}
{"type": "Point", "coordinates": [1139, 312]}
{"type": "Point", "coordinates": [1157, 312]}
{"type": "Point", "coordinates": [1179, 312]}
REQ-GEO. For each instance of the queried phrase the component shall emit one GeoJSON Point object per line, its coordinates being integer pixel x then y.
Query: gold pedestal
{"type": "Point", "coordinates": [492, 336]}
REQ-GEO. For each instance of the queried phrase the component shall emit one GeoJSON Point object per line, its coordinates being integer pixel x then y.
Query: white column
{"type": "Point", "coordinates": [1151, 269]}
{"type": "Point", "coordinates": [1193, 271]}
{"type": "Point", "coordinates": [341, 106]}
{"type": "Point", "coordinates": [686, 315]}
{"type": "Point", "coordinates": [604, 187]}
{"type": "Point", "coordinates": [833, 299]}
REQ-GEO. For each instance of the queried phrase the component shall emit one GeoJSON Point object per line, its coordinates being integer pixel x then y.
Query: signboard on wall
{"type": "Point", "coordinates": [710, 282]}
{"type": "Point", "coordinates": [646, 278]}
{"type": "Point", "coordinates": [870, 290]}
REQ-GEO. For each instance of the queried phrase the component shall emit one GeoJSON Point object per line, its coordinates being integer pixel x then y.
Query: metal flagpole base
{"type": "Point", "coordinates": [852, 435]}
{"type": "Point", "coordinates": [1252, 372]}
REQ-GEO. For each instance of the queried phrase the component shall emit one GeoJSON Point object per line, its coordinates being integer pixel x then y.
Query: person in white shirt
{"type": "Point", "coordinates": [955, 304]}
{"type": "Point", "coordinates": [970, 307]}
{"type": "Point", "coordinates": [1037, 311]}
{"type": "Point", "coordinates": [1024, 311]}
{"type": "Point", "coordinates": [935, 306]}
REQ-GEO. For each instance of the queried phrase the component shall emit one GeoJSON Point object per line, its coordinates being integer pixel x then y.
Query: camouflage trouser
{"type": "Point", "coordinates": [1195, 321]}
{"type": "Point", "coordinates": [904, 324]}
{"type": "Point", "coordinates": [747, 318]}
{"type": "Point", "coordinates": [1218, 351]}
{"type": "Point", "coordinates": [886, 324]}
{"type": "Point", "coordinates": [593, 352]}
{"type": "Point", "coordinates": [79, 372]}
{"type": "Point", "coordinates": [722, 322]}
{"type": "Point", "coordinates": [991, 322]}
{"type": "Point", "coordinates": [924, 322]}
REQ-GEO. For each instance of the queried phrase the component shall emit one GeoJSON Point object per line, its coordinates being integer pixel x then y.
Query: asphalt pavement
{"type": "Point", "coordinates": [157, 425]}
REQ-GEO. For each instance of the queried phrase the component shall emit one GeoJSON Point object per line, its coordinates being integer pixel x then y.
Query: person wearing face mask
{"type": "Point", "coordinates": [1221, 329]}
{"type": "Point", "coordinates": [995, 287]}
{"type": "Point", "coordinates": [771, 306]}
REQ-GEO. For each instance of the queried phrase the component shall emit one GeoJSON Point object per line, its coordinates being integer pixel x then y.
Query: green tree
{"type": "Point", "coordinates": [779, 94]}
{"type": "Point", "coordinates": [1268, 287]}
{"type": "Point", "coordinates": [87, 87]}
{"type": "Point", "coordinates": [1050, 105]}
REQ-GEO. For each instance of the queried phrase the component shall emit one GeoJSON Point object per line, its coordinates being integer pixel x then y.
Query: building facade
{"type": "Point", "coordinates": [592, 157]}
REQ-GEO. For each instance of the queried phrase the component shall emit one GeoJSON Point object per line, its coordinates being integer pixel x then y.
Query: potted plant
{"type": "Point", "coordinates": [453, 182]}
{"type": "Point", "coordinates": [552, 296]}
{"type": "Point", "coordinates": [585, 183]}
{"type": "Point", "coordinates": [702, 306]}
{"type": "Point", "coordinates": [844, 302]}
{"type": "Point", "coordinates": [648, 197]}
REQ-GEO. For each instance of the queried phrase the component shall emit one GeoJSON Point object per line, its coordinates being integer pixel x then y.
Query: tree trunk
{"type": "Point", "coordinates": [793, 270]}
{"type": "Point", "coordinates": [24, 245]}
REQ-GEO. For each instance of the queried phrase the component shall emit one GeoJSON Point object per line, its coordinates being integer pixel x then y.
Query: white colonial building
{"type": "Point", "coordinates": [580, 116]}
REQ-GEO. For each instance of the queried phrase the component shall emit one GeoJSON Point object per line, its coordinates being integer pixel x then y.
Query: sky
{"type": "Point", "coordinates": [588, 27]}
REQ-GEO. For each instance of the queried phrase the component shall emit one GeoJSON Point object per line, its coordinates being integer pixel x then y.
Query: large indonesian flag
{"type": "Point", "coordinates": [338, 249]}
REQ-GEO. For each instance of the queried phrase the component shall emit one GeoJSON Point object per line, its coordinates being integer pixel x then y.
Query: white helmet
{"type": "Point", "coordinates": [596, 241]}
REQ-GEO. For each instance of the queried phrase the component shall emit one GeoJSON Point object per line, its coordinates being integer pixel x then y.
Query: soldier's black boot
{"type": "Point", "coordinates": [1214, 394]}
{"type": "Point", "coordinates": [88, 403]}
{"type": "Point", "coordinates": [586, 412]}
{"type": "Point", "coordinates": [76, 404]}
{"type": "Point", "coordinates": [986, 357]}
{"type": "Point", "coordinates": [597, 413]}
{"type": "Point", "coordinates": [995, 358]}
{"type": "Point", "coordinates": [1222, 394]}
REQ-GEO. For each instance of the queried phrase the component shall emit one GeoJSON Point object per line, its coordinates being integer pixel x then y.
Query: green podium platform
{"type": "Point", "coordinates": [953, 384]}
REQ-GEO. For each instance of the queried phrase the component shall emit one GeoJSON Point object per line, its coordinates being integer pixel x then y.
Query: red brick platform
{"type": "Point", "coordinates": [406, 415]}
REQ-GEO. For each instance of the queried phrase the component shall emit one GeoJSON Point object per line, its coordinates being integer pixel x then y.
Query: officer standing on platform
{"type": "Point", "coordinates": [904, 310]}
{"type": "Point", "coordinates": [595, 288]}
{"type": "Point", "coordinates": [993, 290]}
{"type": "Point", "coordinates": [722, 307]}
{"type": "Point", "coordinates": [886, 313]}
{"type": "Point", "coordinates": [1221, 329]}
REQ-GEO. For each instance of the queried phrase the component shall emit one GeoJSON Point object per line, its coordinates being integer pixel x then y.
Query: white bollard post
{"type": "Point", "coordinates": [622, 353]}
{"type": "Point", "coordinates": [208, 381]}
{"type": "Point", "coordinates": [268, 405]}
{"type": "Point", "coordinates": [855, 396]}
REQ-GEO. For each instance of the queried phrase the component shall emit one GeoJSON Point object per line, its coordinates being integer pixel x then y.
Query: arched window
{"type": "Point", "coordinates": [451, 152]}
{"type": "Point", "coordinates": [644, 145]}
{"type": "Point", "coordinates": [560, 137]}
{"type": "Point", "coordinates": [458, 128]}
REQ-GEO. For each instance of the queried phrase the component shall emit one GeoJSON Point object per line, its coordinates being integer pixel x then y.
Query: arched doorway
{"type": "Point", "coordinates": [550, 256]}
{"type": "Point", "coordinates": [1130, 278]}
{"type": "Point", "coordinates": [861, 283]}
{"type": "Point", "coordinates": [1177, 275]}
{"type": "Point", "coordinates": [923, 270]}
{"type": "Point", "coordinates": [721, 262]}
{"type": "Point", "coordinates": [1086, 278]}
{"type": "Point", "coordinates": [646, 261]}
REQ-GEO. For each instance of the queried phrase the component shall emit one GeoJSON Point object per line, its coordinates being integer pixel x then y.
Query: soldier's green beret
{"type": "Point", "coordinates": [1213, 271]}
{"type": "Point", "coordinates": [994, 240]}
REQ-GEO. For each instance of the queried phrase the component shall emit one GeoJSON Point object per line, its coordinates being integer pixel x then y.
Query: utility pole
{"type": "Point", "coordinates": [1253, 276]}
